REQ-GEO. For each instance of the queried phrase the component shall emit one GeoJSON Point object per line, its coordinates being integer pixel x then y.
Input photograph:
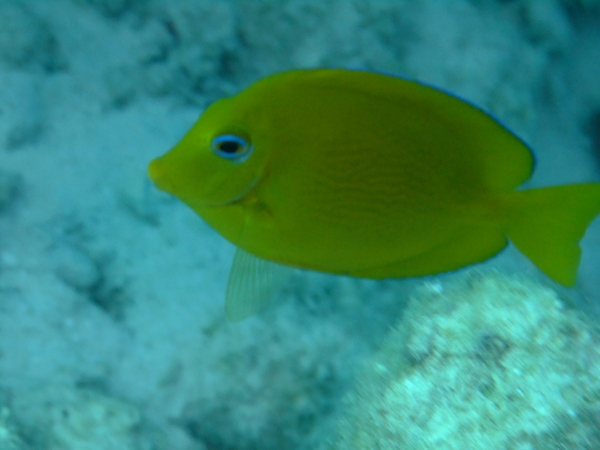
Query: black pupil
{"type": "Point", "coordinates": [230, 147]}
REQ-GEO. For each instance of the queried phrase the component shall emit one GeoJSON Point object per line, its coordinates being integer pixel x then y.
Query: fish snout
{"type": "Point", "coordinates": [158, 175]}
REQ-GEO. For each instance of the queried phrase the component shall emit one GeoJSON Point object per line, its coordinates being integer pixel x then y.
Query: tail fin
{"type": "Point", "coordinates": [547, 224]}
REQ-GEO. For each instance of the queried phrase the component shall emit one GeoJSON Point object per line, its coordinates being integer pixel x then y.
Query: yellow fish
{"type": "Point", "coordinates": [368, 175]}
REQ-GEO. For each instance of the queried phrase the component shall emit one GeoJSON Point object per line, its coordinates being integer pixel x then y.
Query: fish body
{"type": "Point", "coordinates": [369, 175]}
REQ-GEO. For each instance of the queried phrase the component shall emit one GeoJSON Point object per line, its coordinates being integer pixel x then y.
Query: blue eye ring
{"type": "Point", "coordinates": [231, 146]}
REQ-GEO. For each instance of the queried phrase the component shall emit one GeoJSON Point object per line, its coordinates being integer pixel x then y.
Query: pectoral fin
{"type": "Point", "coordinates": [253, 281]}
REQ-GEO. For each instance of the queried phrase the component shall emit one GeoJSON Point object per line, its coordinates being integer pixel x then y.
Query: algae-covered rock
{"type": "Point", "coordinates": [22, 112]}
{"type": "Point", "coordinates": [110, 7]}
{"type": "Point", "coordinates": [9, 436]}
{"type": "Point", "coordinates": [66, 418]}
{"type": "Point", "coordinates": [26, 40]}
{"type": "Point", "coordinates": [60, 417]}
{"type": "Point", "coordinates": [10, 188]}
{"type": "Point", "coordinates": [485, 362]}
{"type": "Point", "coordinates": [94, 422]}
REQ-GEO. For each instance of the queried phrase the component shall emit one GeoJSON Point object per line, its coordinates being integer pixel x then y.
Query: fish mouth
{"type": "Point", "coordinates": [159, 176]}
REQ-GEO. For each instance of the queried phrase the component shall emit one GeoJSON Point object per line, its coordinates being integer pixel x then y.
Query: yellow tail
{"type": "Point", "coordinates": [547, 224]}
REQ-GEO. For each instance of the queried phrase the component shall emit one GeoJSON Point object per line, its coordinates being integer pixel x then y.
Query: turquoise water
{"type": "Point", "coordinates": [112, 331]}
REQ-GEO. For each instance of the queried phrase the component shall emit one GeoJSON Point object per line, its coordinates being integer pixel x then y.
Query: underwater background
{"type": "Point", "coordinates": [112, 329]}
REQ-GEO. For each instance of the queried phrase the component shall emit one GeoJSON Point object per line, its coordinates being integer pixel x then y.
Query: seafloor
{"type": "Point", "coordinates": [112, 331]}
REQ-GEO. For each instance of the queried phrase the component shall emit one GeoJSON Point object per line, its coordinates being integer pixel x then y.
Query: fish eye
{"type": "Point", "coordinates": [232, 147]}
